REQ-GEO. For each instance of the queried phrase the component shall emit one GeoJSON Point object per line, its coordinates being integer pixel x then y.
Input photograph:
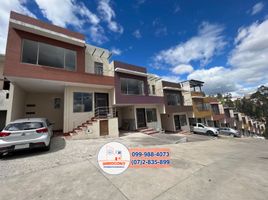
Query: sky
{"type": "Point", "coordinates": [223, 43]}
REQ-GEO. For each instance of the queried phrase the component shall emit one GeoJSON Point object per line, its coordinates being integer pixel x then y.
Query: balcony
{"type": "Point", "coordinates": [197, 94]}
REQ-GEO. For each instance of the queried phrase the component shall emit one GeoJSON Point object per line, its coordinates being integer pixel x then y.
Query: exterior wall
{"type": "Point", "coordinates": [108, 69]}
{"type": "Point", "coordinates": [167, 121]}
{"type": "Point", "coordinates": [14, 67]}
{"type": "Point", "coordinates": [133, 99]}
{"type": "Point", "coordinates": [71, 119]}
{"type": "Point", "coordinates": [44, 107]}
{"type": "Point", "coordinates": [158, 86]}
{"type": "Point", "coordinates": [187, 94]}
{"type": "Point", "coordinates": [2, 58]}
{"type": "Point", "coordinates": [126, 114]}
{"type": "Point", "coordinates": [16, 107]}
{"type": "Point", "coordinates": [156, 125]}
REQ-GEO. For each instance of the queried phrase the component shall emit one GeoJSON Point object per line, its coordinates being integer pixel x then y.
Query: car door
{"type": "Point", "coordinates": [201, 128]}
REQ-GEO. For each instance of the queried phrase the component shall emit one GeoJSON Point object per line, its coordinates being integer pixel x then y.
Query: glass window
{"type": "Point", "coordinates": [23, 126]}
{"type": "Point", "coordinates": [51, 56]}
{"type": "Point", "coordinates": [29, 51]}
{"type": "Point", "coordinates": [151, 115]}
{"type": "Point", "coordinates": [70, 59]}
{"type": "Point", "coordinates": [98, 68]}
{"type": "Point", "coordinates": [153, 89]}
{"type": "Point", "coordinates": [132, 86]}
{"type": "Point", "coordinates": [48, 55]}
{"type": "Point", "coordinates": [82, 102]}
{"type": "Point", "coordinates": [173, 99]}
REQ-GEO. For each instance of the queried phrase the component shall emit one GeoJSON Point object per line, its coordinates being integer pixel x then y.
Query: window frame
{"type": "Point", "coordinates": [37, 56]}
{"type": "Point", "coordinates": [143, 92]}
{"type": "Point", "coordinates": [154, 117]}
{"type": "Point", "coordinates": [97, 63]}
{"type": "Point", "coordinates": [92, 97]}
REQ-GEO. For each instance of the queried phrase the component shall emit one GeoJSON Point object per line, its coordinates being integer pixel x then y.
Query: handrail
{"type": "Point", "coordinates": [105, 112]}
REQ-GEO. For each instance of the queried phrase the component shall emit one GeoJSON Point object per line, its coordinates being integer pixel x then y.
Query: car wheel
{"type": "Point", "coordinates": [210, 133]}
{"type": "Point", "coordinates": [47, 148]}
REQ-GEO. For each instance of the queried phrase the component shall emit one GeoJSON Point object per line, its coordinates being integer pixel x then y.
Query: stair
{"type": "Point", "coordinates": [80, 130]}
{"type": "Point", "coordinates": [148, 131]}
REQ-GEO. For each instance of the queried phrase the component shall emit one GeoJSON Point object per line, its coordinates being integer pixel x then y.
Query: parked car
{"type": "Point", "coordinates": [202, 128]}
{"type": "Point", "coordinates": [230, 131]}
{"type": "Point", "coordinates": [26, 134]}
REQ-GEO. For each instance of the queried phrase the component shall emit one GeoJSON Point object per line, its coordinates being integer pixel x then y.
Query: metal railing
{"type": "Point", "coordinates": [105, 112]}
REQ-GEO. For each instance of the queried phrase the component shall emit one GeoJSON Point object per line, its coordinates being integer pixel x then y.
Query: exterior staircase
{"type": "Point", "coordinates": [81, 129]}
{"type": "Point", "coordinates": [148, 131]}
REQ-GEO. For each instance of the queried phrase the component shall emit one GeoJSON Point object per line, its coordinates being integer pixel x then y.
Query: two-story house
{"type": "Point", "coordinates": [178, 107]}
{"type": "Point", "coordinates": [138, 97]}
{"type": "Point", "coordinates": [53, 73]}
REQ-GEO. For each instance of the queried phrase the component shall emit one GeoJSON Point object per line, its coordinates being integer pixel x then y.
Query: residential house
{"type": "Point", "coordinates": [217, 113]}
{"type": "Point", "coordinates": [229, 118]}
{"type": "Point", "coordinates": [201, 106]}
{"type": "Point", "coordinates": [53, 73]}
{"type": "Point", "coordinates": [139, 97]}
{"type": "Point", "coordinates": [178, 107]}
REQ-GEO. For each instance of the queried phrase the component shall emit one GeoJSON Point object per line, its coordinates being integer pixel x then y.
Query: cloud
{"type": "Point", "coordinates": [108, 15]}
{"type": "Point", "coordinates": [160, 29]}
{"type": "Point", "coordinates": [176, 9]}
{"type": "Point", "coordinates": [248, 60]}
{"type": "Point", "coordinates": [66, 12]}
{"type": "Point", "coordinates": [137, 34]}
{"type": "Point", "coordinates": [208, 42]}
{"type": "Point", "coordinates": [5, 8]}
{"type": "Point", "coordinates": [97, 34]}
{"type": "Point", "coordinates": [171, 78]}
{"type": "Point", "coordinates": [116, 51]}
{"type": "Point", "coordinates": [257, 8]}
{"type": "Point", "coordinates": [182, 69]}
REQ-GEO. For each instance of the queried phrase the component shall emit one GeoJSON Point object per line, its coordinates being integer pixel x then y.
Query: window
{"type": "Point", "coordinates": [199, 125]}
{"type": "Point", "coordinates": [153, 89]}
{"type": "Point", "coordinates": [29, 53]}
{"type": "Point", "coordinates": [203, 106]}
{"type": "Point", "coordinates": [183, 120]}
{"type": "Point", "coordinates": [23, 126]}
{"type": "Point", "coordinates": [98, 68]}
{"type": "Point", "coordinates": [132, 86]}
{"type": "Point", "coordinates": [151, 115]}
{"type": "Point", "coordinates": [215, 109]}
{"type": "Point", "coordinates": [48, 55]}
{"type": "Point", "coordinates": [82, 102]}
{"type": "Point", "coordinates": [173, 99]}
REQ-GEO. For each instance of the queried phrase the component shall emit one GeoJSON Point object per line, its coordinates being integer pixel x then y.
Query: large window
{"type": "Point", "coordinates": [82, 102]}
{"type": "Point", "coordinates": [173, 99]}
{"type": "Point", "coordinates": [98, 68]}
{"type": "Point", "coordinates": [132, 86]}
{"type": "Point", "coordinates": [151, 115]}
{"type": "Point", "coordinates": [203, 106]}
{"type": "Point", "coordinates": [48, 55]}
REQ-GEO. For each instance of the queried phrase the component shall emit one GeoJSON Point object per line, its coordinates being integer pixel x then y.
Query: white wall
{"type": "Point", "coordinates": [89, 64]}
{"type": "Point", "coordinates": [71, 119]}
{"type": "Point", "coordinates": [187, 94]}
{"type": "Point", "coordinates": [44, 107]}
{"type": "Point", "coordinates": [156, 125]}
{"type": "Point", "coordinates": [16, 108]}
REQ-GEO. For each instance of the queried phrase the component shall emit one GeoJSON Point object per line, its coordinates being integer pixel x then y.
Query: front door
{"type": "Point", "coordinates": [141, 119]}
{"type": "Point", "coordinates": [177, 122]}
{"type": "Point", "coordinates": [102, 104]}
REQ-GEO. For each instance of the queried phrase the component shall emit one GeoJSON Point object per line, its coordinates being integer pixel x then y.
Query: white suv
{"type": "Point", "coordinates": [201, 128]}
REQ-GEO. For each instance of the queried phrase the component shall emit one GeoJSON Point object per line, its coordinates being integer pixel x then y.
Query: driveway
{"type": "Point", "coordinates": [213, 169]}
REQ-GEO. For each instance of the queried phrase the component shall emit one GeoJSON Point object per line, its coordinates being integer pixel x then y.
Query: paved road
{"type": "Point", "coordinates": [226, 168]}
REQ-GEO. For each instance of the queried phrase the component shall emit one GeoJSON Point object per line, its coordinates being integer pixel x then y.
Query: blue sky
{"type": "Point", "coordinates": [223, 43]}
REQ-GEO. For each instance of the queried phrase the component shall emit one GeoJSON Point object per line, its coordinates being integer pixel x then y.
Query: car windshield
{"type": "Point", "coordinates": [23, 126]}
